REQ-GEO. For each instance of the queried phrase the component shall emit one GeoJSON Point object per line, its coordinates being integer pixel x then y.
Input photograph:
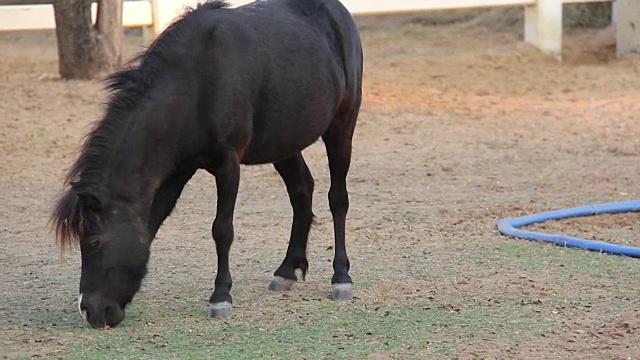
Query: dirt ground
{"type": "Point", "coordinates": [461, 125]}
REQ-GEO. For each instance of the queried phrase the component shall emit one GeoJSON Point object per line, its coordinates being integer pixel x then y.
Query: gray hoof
{"type": "Point", "coordinates": [342, 291]}
{"type": "Point", "coordinates": [278, 283]}
{"type": "Point", "coordinates": [220, 310]}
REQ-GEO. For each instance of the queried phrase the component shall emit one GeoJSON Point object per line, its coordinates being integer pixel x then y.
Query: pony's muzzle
{"type": "Point", "coordinates": [99, 312]}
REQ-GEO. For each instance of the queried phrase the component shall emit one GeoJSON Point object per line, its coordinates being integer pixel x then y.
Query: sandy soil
{"type": "Point", "coordinates": [461, 125]}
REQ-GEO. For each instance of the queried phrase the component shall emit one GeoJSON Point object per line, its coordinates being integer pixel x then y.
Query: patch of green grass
{"type": "Point", "coordinates": [540, 257]}
{"type": "Point", "coordinates": [479, 294]}
{"type": "Point", "coordinates": [321, 330]}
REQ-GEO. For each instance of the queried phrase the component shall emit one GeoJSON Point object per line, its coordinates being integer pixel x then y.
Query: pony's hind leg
{"type": "Point", "coordinates": [299, 182]}
{"type": "Point", "coordinates": [227, 181]}
{"type": "Point", "coordinates": [337, 141]}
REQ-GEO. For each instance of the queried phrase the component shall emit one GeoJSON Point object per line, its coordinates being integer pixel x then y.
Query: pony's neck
{"type": "Point", "coordinates": [145, 156]}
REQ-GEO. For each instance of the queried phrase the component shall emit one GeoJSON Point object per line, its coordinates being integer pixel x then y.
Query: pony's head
{"type": "Point", "coordinates": [114, 244]}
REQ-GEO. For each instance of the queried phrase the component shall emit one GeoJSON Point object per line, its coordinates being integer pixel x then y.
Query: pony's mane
{"type": "Point", "coordinates": [79, 209]}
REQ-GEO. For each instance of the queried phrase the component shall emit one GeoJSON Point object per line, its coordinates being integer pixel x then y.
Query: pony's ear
{"type": "Point", "coordinates": [88, 199]}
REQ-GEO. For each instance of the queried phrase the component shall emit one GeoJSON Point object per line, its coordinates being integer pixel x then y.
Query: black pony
{"type": "Point", "coordinates": [220, 87]}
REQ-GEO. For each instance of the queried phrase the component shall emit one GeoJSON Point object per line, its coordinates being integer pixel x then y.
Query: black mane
{"type": "Point", "coordinates": [127, 87]}
{"type": "Point", "coordinates": [76, 211]}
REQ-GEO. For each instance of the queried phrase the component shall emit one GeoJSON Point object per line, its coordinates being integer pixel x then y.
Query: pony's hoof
{"type": "Point", "coordinates": [342, 291]}
{"type": "Point", "coordinates": [278, 283]}
{"type": "Point", "coordinates": [220, 310]}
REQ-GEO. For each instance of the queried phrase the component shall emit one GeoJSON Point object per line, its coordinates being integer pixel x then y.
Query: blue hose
{"type": "Point", "coordinates": [509, 227]}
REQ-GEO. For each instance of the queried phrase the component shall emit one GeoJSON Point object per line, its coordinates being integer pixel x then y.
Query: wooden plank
{"type": "Point", "coordinates": [135, 13]}
{"type": "Point", "coordinates": [373, 6]}
{"type": "Point", "coordinates": [165, 13]}
{"type": "Point", "coordinates": [36, 2]}
{"type": "Point", "coordinates": [40, 17]}
{"type": "Point", "coordinates": [584, 1]}
{"type": "Point", "coordinates": [32, 17]}
{"type": "Point", "coordinates": [543, 18]}
{"type": "Point", "coordinates": [25, 2]}
{"type": "Point", "coordinates": [380, 6]}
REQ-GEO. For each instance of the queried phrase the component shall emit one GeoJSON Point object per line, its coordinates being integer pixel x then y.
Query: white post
{"type": "Point", "coordinates": [543, 26]}
{"type": "Point", "coordinates": [628, 27]}
{"type": "Point", "coordinates": [164, 12]}
{"type": "Point", "coordinates": [614, 13]}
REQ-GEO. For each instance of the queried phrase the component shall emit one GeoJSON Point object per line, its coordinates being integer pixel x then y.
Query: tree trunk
{"type": "Point", "coordinates": [86, 51]}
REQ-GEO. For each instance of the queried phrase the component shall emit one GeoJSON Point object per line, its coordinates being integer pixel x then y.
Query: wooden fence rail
{"type": "Point", "coordinates": [543, 18]}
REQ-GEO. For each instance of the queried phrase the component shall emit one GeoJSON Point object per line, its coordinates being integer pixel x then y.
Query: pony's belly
{"type": "Point", "coordinates": [257, 154]}
{"type": "Point", "coordinates": [288, 132]}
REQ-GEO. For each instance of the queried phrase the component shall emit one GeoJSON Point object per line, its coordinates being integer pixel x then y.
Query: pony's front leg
{"type": "Point", "coordinates": [166, 197]}
{"type": "Point", "coordinates": [227, 180]}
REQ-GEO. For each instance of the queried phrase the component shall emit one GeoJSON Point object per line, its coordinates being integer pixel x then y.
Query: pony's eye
{"type": "Point", "coordinates": [92, 242]}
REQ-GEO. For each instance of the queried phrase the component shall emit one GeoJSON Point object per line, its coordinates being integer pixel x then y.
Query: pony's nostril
{"type": "Point", "coordinates": [97, 311]}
